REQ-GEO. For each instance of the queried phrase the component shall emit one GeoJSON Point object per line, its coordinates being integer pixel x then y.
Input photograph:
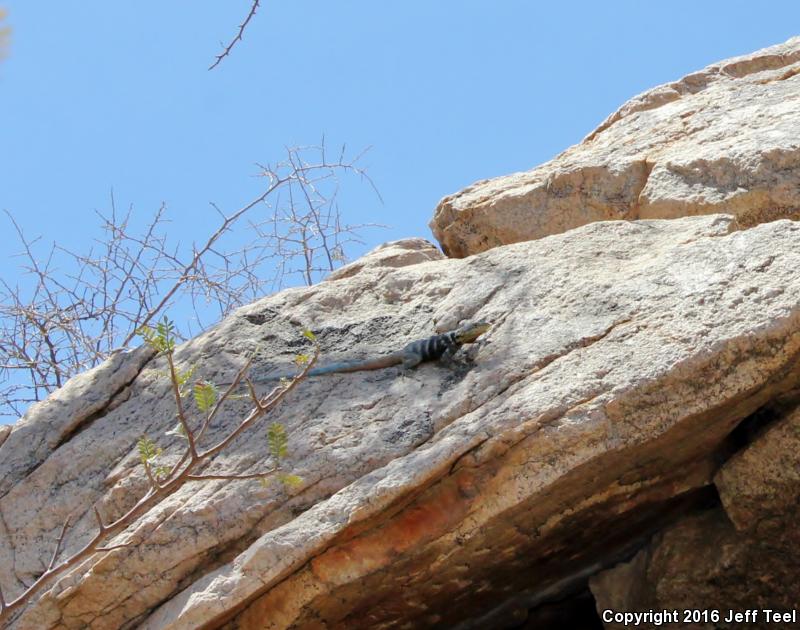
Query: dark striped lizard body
{"type": "Point", "coordinates": [429, 349]}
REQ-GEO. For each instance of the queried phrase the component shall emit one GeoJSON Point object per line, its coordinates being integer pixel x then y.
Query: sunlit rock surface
{"type": "Point", "coordinates": [724, 139]}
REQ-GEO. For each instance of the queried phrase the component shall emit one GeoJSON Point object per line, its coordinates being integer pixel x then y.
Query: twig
{"type": "Point", "coordinates": [267, 402]}
{"type": "Point", "coordinates": [238, 37]}
{"type": "Point", "coordinates": [65, 323]}
{"type": "Point", "coordinates": [179, 404]}
{"type": "Point", "coordinates": [100, 525]}
{"type": "Point", "coordinates": [230, 477]}
{"type": "Point", "coordinates": [191, 266]}
{"type": "Point", "coordinates": [228, 391]}
{"type": "Point", "coordinates": [153, 481]}
{"type": "Point", "coordinates": [59, 542]}
{"type": "Point", "coordinates": [113, 547]}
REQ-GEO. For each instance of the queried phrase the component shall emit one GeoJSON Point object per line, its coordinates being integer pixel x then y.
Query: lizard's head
{"type": "Point", "coordinates": [470, 332]}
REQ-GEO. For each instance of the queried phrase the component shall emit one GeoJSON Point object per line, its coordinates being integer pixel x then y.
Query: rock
{"type": "Point", "coordinates": [743, 557]}
{"type": "Point", "coordinates": [593, 415]}
{"type": "Point", "coordinates": [724, 139]}
{"type": "Point", "coordinates": [53, 421]}
{"type": "Point", "coordinates": [410, 251]}
{"type": "Point", "coordinates": [760, 487]}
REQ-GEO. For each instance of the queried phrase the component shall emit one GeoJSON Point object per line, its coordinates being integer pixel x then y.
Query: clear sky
{"type": "Point", "coordinates": [99, 95]}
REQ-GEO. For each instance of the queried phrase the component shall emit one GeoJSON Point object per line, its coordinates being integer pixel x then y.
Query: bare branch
{"type": "Point", "coordinates": [99, 519]}
{"type": "Point", "coordinates": [65, 322]}
{"type": "Point", "coordinates": [150, 477]}
{"type": "Point", "coordinates": [228, 391]}
{"type": "Point", "coordinates": [253, 396]}
{"type": "Point", "coordinates": [238, 37]}
{"type": "Point", "coordinates": [260, 475]}
{"type": "Point", "coordinates": [179, 404]}
{"type": "Point", "coordinates": [115, 547]}
{"type": "Point", "coordinates": [265, 404]}
{"type": "Point", "coordinates": [59, 542]}
{"type": "Point", "coordinates": [191, 266]}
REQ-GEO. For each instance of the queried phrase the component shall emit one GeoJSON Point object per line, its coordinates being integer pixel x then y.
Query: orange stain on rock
{"type": "Point", "coordinates": [430, 516]}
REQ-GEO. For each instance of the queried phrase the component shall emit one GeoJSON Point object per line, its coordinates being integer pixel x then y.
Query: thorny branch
{"type": "Point", "coordinates": [239, 34]}
{"type": "Point", "coordinates": [59, 542]}
{"type": "Point", "coordinates": [79, 307]}
{"type": "Point", "coordinates": [192, 459]}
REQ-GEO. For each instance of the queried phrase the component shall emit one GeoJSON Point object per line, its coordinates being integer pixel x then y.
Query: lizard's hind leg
{"type": "Point", "coordinates": [411, 360]}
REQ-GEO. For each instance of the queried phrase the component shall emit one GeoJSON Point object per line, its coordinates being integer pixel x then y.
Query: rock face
{"type": "Point", "coordinates": [741, 556]}
{"type": "Point", "coordinates": [623, 438]}
{"type": "Point", "coordinates": [596, 413]}
{"type": "Point", "coordinates": [725, 139]}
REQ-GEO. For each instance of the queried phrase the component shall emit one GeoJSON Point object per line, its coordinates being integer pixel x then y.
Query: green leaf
{"type": "Point", "coordinates": [302, 359]}
{"type": "Point", "coordinates": [160, 472]}
{"type": "Point", "coordinates": [183, 377]}
{"type": "Point", "coordinates": [205, 395]}
{"type": "Point", "coordinates": [309, 335]}
{"type": "Point", "coordinates": [166, 331]}
{"type": "Point", "coordinates": [149, 336]}
{"type": "Point", "coordinates": [148, 450]}
{"type": "Point", "coordinates": [161, 338]}
{"type": "Point", "coordinates": [293, 481]}
{"type": "Point", "coordinates": [277, 441]}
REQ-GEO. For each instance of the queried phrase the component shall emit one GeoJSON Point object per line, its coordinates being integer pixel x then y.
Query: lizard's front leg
{"type": "Point", "coordinates": [411, 359]}
{"type": "Point", "coordinates": [448, 356]}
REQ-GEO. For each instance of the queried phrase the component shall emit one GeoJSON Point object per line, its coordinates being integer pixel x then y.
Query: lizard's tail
{"type": "Point", "coordinates": [343, 366]}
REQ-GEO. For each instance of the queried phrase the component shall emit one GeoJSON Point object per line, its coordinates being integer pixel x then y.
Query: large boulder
{"type": "Point", "coordinates": [741, 556]}
{"type": "Point", "coordinates": [595, 413]}
{"type": "Point", "coordinates": [724, 139]}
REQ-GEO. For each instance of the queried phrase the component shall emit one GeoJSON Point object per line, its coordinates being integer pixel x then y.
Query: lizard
{"type": "Point", "coordinates": [429, 349]}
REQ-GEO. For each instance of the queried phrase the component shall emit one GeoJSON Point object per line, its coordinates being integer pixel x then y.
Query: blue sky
{"type": "Point", "coordinates": [99, 95]}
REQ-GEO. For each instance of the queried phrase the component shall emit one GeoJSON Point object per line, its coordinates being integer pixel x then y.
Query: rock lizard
{"type": "Point", "coordinates": [429, 349]}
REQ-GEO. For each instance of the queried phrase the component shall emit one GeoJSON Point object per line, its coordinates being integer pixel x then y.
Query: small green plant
{"type": "Point", "coordinates": [278, 445]}
{"type": "Point", "coordinates": [161, 338]}
{"type": "Point", "coordinates": [205, 395]}
{"type": "Point", "coordinates": [206, 398]}
{"type": "Point", "coordinates": [165, 478]}
{"type": "Point", "coordinates": [148, 455]}
{"type": "Point", "coordinates": [277, 441]}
